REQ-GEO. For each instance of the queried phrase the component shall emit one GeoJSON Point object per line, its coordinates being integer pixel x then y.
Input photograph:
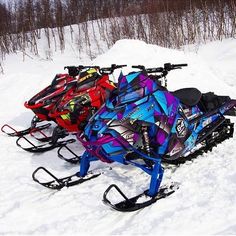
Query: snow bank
{"type": "Point", "coordinates": [205, 202]}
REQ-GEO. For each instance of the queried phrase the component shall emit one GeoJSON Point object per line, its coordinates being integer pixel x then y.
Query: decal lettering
{"type": "Point", "coordinates": [181, 128]}
{"type": "Point", "coordinates": [128, 116]}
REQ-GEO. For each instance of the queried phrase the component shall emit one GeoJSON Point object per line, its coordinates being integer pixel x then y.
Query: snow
{"type": "Point", "coordinates": [205, 203]}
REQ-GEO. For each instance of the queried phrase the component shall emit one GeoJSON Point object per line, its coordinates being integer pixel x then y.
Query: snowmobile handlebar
{"type": "Point", "coordinates": [167, 67]}
{"type": "Point", "coordinates": [149, 70]}
{"type": "Point", "coordinates": [139, 67]}
{"type": "Point", "coordinates": [110, 70]}
{"type": "Point", "coordinates": [72, 70]}
{"type": "Point", "coordinates": [75, 70]}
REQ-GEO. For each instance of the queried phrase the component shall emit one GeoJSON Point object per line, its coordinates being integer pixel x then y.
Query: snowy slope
{"type": "Point", "coordinates": [206, 200]}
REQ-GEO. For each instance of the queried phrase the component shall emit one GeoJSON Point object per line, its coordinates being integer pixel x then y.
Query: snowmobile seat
{"type": "Point", "coordinates": [188, 96]}
{"type": "Point", "coordinates": [210, 101]}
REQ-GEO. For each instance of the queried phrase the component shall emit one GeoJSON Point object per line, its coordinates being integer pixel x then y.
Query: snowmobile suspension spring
{"type": "Point", "coordinates": [146, 140]}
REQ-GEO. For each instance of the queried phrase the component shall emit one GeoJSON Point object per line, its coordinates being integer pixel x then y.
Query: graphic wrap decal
{"type": "Point", "coordinates": [181, 129]}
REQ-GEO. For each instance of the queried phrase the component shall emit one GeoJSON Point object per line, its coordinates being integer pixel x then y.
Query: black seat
{"type": "Point", "coordinates": [188, 96]}
{"type": "Point", "coordinates": [211, 101]}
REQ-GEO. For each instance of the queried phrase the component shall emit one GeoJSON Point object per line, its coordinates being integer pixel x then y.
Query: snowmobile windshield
{"type": "Point", "coordinates": [85, 75]}
{"type": "Point", "coordinates": [61, 80]}
{"type": "Point", "coordinates": [87, 79]}
{"type": "Point", "coordinates": [131, 96]}
{"type": "Point", "coordinates": [134, 86]}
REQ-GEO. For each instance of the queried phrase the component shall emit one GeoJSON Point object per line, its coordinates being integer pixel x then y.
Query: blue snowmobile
{"type": "Point", "coordinates": [144, 124]}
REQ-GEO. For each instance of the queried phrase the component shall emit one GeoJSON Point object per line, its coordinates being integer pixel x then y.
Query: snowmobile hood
{"type": "Point", "coordinates": [117, 126]}
{"type": "Point", "coordinates": [60, 84]}
{"type": "Point", "coordinates": [132, 91]}
{"type": "Point", "coordinates": [137, 98]}
{"type": "Point", "coordinates": [150, 110]}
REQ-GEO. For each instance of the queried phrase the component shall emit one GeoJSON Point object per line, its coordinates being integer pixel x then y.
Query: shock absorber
{"type": "Point", "coordinates": [146, 141]}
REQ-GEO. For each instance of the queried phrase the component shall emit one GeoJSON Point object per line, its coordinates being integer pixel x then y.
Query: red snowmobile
{"type": "Point", "coordinates": [74, 107]}
{"type": "Point", "coordinates": [45, 100]}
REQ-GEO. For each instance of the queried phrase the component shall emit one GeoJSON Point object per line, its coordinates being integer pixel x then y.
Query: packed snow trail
{"type": "Point", "coordinates": [205, 202]}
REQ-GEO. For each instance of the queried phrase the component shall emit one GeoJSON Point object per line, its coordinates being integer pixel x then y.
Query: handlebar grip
{"type": "Point", "coordinates": [105, 68]}
{"type": "Point", "coordinates": [80, 67]}
{"type": "Point", "coordinates": [110, 70]}
{"type": "Point", "coordinates": [67, 67]}
{"type": "Point", "coordinates": [169, 66]}
{"type": "Point", "coordinates": [154, 70]}
{"type": "Point", "coordinates": [119, 66]}
{"type": "Point", "coordinates": [179, 65]}
{"type": "Point", "coordinates": [72, 70]}
{"type": "Point", "coordinates": [139, 67]}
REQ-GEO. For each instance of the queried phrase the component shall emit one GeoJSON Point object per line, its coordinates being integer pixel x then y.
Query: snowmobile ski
{"type": "Point", "coordinates": [42, 147]}
{"type": "Point", "coordinates": [135, 203]}
{"type": "Point", "coordinates": [59, 183]}
{"type": "Point", "coordinates": [18, 133]}
{"type": "Point", "coordinates": [73, 160]}
{"type": "Point", "coordinates": [43, 138]}
{"type": "Point", "coordinates": [58, 132]}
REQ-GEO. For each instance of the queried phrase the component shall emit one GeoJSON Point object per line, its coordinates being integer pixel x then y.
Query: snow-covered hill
{"type": "Point", "coordinates": [206, 200]}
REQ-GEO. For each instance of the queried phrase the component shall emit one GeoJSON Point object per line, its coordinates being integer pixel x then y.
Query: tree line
{"type": "Point", "coordinates": [167, 23]}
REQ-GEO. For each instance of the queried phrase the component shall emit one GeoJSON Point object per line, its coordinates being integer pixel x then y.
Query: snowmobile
{"type": "Point", "coordinates": [72, 111]}
{"type": "Point", "coordinates": [44, 101]}
{"type": "Point", "coordinates": [144, 125]}
{"type": "Point", "coordinates": [70, 115]}
{"type": "Point", "coordinates": [77, 106]}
